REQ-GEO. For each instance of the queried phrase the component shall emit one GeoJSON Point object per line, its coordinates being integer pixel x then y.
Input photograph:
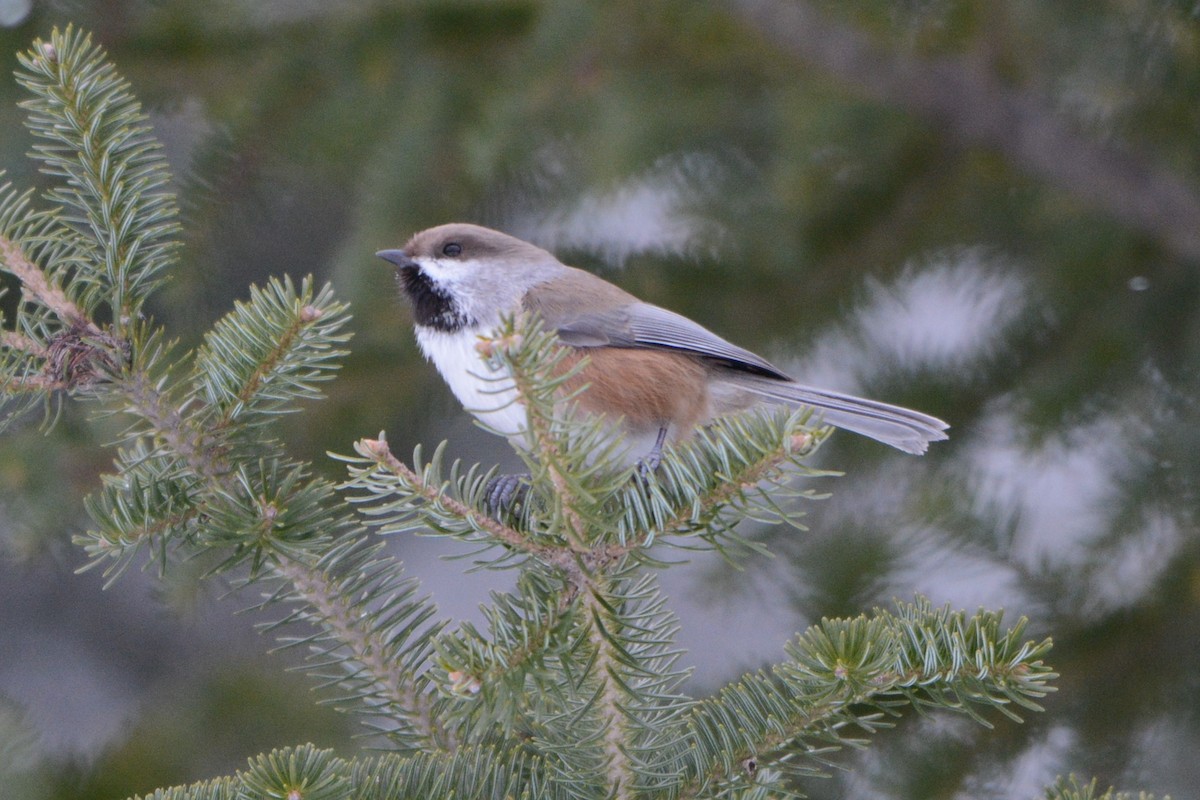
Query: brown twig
{"type": "Point", "coordinates": [379, 451]}
{"type": "Point", "coordinates": [35, 285]}
{"type": "Point", "coordinates": [75, 356]}
{"type": "Point", "coordinates": [16, 341]}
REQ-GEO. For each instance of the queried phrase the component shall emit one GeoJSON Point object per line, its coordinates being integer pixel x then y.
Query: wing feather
{"type": "Point", "coordinates": [568, 302]}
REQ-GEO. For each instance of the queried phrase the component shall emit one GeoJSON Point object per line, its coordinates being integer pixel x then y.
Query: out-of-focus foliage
{"type": "Point", "coordinates": [846, 236]}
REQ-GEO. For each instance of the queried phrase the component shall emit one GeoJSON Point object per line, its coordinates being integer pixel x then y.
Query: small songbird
{"type": "Point", "coordinates": [659, 372]}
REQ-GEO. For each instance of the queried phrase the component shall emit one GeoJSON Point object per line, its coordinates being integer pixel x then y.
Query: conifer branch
{"type": "Point", "coordinates": [76, 352]}
{"type": "Point", "coordinates": [270, 352]}
{"type": "Point", "coordinates": [16, 341]}
{"type": "Point", "coordinates": [610, 699]}
{"type": "Point", "coordinates": [313, 587]}
{"type": "Point", "coordinates": [525, 635]}
{"type": "Point", "coordinates": [37, 286]}
{"type": "Point", "coordinates": [147, 401]}
{"type": "Point", "coordinates": [845, 674]}
{"type": "Point", "coordinates": [407, 480]}
{"type": "Point", "coordinates": [1072, 787]}
{"type": "Point", "coordinates": [192, 468]}
{"type": "Point", "coordinates": [344, 620]}
{"type": "Point", "coordinates": [93, 134]}
{"type": "Point", "coordinates": [530, 367]}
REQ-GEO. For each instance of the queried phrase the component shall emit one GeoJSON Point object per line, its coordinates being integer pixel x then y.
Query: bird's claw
{"type": "Point", "coordinates": [648, 465]}
{"type": "Point", "coordinates": [504, 493]}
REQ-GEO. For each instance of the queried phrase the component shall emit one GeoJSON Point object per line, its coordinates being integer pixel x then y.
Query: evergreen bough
{"type": "Point", "coordinates": [573, 688]}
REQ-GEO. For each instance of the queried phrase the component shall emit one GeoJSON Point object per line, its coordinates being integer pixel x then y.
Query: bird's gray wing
{"type": "Point", "coordinates": [568, 303]}
{"type": "Point", "coordinates": [641, 325]}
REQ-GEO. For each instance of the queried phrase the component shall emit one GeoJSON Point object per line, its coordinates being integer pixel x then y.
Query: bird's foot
{"type": "Point", "coordinates": [648, 464]}
{"type": "Point", "coordinates": [504, 493]}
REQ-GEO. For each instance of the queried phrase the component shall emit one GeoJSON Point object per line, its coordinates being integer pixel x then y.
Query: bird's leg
{"type": "Point", "coordinates": [505, 492]}
{"type": "Point", "coordinates": [650, 462]}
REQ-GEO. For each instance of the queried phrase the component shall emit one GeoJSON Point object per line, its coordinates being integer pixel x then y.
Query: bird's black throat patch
{"type": "Point", "coordinates": [433, 306]}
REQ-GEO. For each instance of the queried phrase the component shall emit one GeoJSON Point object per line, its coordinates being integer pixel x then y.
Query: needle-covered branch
{"type": "Point", "coordinates": [91, 133]}
{"type": "Point", "coordinates": [845, 678]}
{"type": "Point", "coordinates": [196, 472]}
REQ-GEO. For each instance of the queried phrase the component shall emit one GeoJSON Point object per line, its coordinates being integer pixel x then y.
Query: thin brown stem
{"type": "Point", "coordinates": [36, 286]}
{"type": "Point", "coordinates": [611, 698]}
{"type": "Point", "coordinates": [16, 341]}
{"type": "Point", "coordinates": [381, 453]}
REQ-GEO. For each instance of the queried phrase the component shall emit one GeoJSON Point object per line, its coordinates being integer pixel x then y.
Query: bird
{"type": "Point", "coordinates": [658, 372]}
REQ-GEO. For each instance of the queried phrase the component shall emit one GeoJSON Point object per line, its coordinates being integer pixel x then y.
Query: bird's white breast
{"type": "Point", "coordinates": [487, 393]}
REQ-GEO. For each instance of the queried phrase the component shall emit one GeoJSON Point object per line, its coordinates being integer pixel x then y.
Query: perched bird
{"type": "Point", "coordinates": [659, 372]}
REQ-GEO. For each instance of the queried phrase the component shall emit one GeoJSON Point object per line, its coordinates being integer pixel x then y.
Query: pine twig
{"type": "Point", "coordinates": [35, 285]}
{"type": "Point", "coordinates": [611, 699]}
{"type": "Point", "coordinates": [378, 451]}
{"type": "Point", "coordinates": [16, 341]}
{"type": "Point", "coordinates": [366, 648]}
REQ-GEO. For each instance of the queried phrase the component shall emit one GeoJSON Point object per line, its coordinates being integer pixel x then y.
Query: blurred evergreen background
{"type": "Point", "coordinates": [985, 210]}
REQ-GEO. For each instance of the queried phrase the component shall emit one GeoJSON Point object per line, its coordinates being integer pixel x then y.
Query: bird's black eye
{"type": "Point", "coordinates": [452, 249]}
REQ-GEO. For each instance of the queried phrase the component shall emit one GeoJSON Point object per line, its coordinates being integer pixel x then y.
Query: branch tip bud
{"type": "Point", "coordinates": [490, 346]}
{"type": "Point", "coordinates": [462, 683]}
{"type": "Point", "coordinates": [374, 448]}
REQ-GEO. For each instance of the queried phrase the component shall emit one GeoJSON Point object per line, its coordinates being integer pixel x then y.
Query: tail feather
{"type": "Point", "coordinates": [902, 428]}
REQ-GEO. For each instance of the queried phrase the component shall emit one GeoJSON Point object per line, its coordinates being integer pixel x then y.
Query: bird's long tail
{"type": "Point", "coordinates": [902, 428]}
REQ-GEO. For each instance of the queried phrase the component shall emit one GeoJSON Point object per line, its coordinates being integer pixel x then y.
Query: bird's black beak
{"type": "Point", "coordinates": [397, 257]}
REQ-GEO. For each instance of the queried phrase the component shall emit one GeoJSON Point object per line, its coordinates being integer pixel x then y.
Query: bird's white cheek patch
{"type": "Point", "coordinates": [486, 393]}
{"type": "Point", "coordinates": [448, 272]}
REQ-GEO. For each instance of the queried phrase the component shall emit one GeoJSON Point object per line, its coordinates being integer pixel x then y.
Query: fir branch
{"type": "Point", "coordinates": [17, 341]}
{"type": "Point", "coordinates": [1073, 788]}
{"type": "Point", "coordinates": [36, 286]}
{"type": "Point", "coordinates": [94, 135]}
{"type": "Point", "coordinates": [529, 356]}
{"type": "Point", "coordinates": [526, 635]}
{"type": "Point", "coordinates": [845, 674]}
{"type": "Point", "coordinates": [270, 352]}
{"type": "Point", "coordinates": [241, 514]}
{"type": "Point", "coordinates": [302, 773]}
{"type": "Point", "coordinates": [739, 466]}
{"type": "Point", "coordinates": [309, 773]}
{"type": "Point", "coordinates": [635, 661]}
{"type": "Point", "coordinates": [488, 771]}
{"type": "Point", "coordinates": [147, 400]}
{"type": "Point", "coordinates": [621, 775]}
{"type": "Point", "coordinates": [218, 789]}
{"type": "Point", "coordinates": [76, 353]}
{"type": "Point", "coordinates": [149, 499]}
{"type": "Point", "coordinates": [380, 650]}
{"type": "Point", "coordinates": [32, 384]}
{"type": "Point", "coordinates": [387, 474]}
